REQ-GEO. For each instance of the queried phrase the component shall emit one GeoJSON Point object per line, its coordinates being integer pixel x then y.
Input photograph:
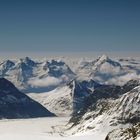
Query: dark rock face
{"type": "Point", "coordinates": [130, 133]}
{"type": "Point", "coordinates": [14, 104]}
{"type": "Point", "coordinates": [98, 98]}
{"type": "Point", "coordinates": [87, 93]}
{"type": "Point", "coordinates": [80, 91]}
{"type": "Point", "coordinates": [130, 85]}
{"type": "Point", "coordinates": [57, 69]}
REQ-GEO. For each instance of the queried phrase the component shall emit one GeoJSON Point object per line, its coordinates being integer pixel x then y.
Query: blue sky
{"type": "Point", "coordinates": [69, 25]}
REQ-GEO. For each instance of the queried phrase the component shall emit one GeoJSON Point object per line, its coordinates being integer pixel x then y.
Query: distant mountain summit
{"type": "Point", "coordinates": [105, 59]}
{"type": "Point", "coordinates": [36, 76]}
{"type": "Point", "coordinates": [103, 65]}
{"type": "Point", "coordinates": [57, 68]}
{"type": "Point", "coordinates": [14, 104]}
{"type": "Point", "coordinates": [42, 76]}
{"type": "Point", "coordinates": [28, 61]}
{"type": "Point", "coordinates": [107, 71]}
{"type": "Point", "coordinates": [5, 66]}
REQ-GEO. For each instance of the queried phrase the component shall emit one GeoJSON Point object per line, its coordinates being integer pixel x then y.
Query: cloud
{"type": "Point", "coordinates": [45, 82]}
{"type": "Point", "coordinates": [121, 80]}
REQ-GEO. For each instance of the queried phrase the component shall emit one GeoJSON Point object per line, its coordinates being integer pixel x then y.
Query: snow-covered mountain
{"type": "Point", "coordinates": [101, 96]}
{"type": "Point", "coordinates": [14, 104]}
{"type": "Point", "coordinates": [65, 100]}
{"type": "Point", "coordinates": [107, 71]}
{"type": "Point", "coordinates": [81, 89]}
{"type": "Point", "coordinates": [36, 76]}
{"type": "Point", "coordinates": [117, 118]}
{"type": "Point", "coordinates": [45, 75]}
{"type": "Point", "coordinates": [77, 95]}
{"type": "Point", "coordinates": [58, 101]}
{"type": "Point", "coordinates": [126, 111]}
{"type": "Point", "coordinates": [127, 108]}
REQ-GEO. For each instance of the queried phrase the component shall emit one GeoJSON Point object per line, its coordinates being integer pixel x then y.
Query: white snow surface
{"type": "Point", "coordinates": [58, 101]}
{"type": "Point", "coordinates": [39, 129]}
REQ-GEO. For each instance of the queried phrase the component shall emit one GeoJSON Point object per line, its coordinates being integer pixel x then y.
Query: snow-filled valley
{"type": "Point", "coordinates": [70, 98]}
{"type": "Point", "coordinates": [38, 129]}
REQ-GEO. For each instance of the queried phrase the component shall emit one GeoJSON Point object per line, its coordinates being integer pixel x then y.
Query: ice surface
{"type": "Point", "coordinates": [39, 129]}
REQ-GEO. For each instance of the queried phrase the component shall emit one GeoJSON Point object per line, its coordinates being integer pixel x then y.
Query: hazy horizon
{"type": "Point", "coordinates": [74, 55]}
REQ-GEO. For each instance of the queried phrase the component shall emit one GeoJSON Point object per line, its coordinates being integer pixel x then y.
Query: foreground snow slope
{"type": "Point", "coordinates": [118, 117]}
{"type": "Point", "coordinates": [38, 129]}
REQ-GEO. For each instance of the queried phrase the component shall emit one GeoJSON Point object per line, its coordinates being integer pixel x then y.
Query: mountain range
{"type": "Point", "coordinates": [99, 96]}
{"type": "Point", "coordinates": [45, 75]}
{"type": "Point", "coordinates": [32, 76]}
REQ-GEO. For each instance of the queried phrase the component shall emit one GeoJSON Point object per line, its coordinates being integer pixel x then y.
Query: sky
{"type": "Point", "coordinates": [69, 26]}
